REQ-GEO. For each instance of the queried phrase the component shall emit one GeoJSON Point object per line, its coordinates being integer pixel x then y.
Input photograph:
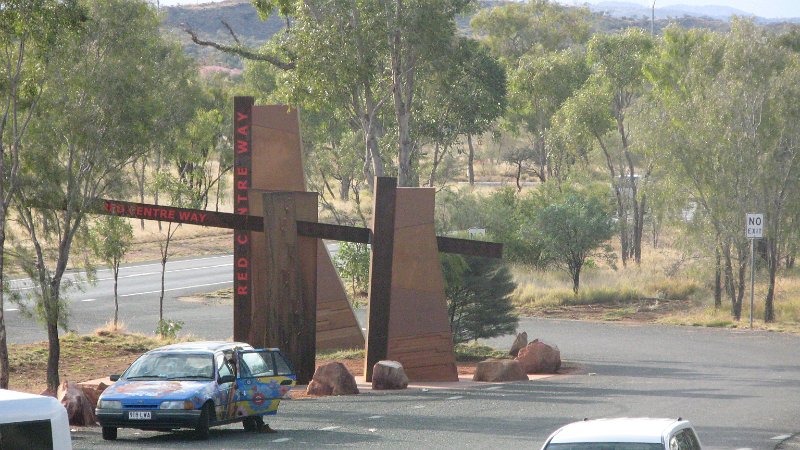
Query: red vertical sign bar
{"type": "Point", "coordinates": [242, 174]}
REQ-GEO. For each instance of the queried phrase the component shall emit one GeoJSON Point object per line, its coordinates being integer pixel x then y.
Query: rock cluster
{"type": "Point", "coordinates": [538, 357]}
{"type": "Point", "coordinates": [388, 375]}
{"type": "Point", "coordinates": [497, 370]}
{"type": "Point", "coordinates": [332, 379]}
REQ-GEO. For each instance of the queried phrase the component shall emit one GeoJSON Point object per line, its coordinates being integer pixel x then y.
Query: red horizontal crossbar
{"type": "Point", "coordinates": [255, 223]}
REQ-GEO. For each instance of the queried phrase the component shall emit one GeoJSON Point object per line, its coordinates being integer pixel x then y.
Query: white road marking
{"type": "Point", "coordinates": [282, 440]}
{"type": "Point", "coordinates": [374, 417]}
{"type": "Point", "coordinates": [11, 309]}
{"type": "Point", "coordinates": [455, 397]}
{"type": "Point", "coordinates": [88, 299]}
{"type": "Point", "coordinates": [418, 407]}
{"type": "Point", "coordinates": [25, 280]}
{"type": "Point", "coordinates": [781, 437]}
{"type": "Point", "coordinates": [145, 274]}
{"type": "Point", "coordinates": [493, 388]}
{"type": "Point", "coordinates": [176, 289]}
{"type": "Point", "coordinates": [333, 427]}
{"type": "Point", "coordinates": [372, 430]}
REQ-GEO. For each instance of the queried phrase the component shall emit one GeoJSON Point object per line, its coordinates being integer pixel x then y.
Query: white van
{"type": "Point", "coordinates": [29, 421]}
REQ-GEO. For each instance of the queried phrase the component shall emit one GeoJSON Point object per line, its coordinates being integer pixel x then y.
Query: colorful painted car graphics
{"type": "Point", "coordinates": [246, 382]}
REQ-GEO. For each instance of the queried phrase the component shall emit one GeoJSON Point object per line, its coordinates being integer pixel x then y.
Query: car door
{"type": "Point", "coordinates": [264, 377]}
{"type": "Point", "coordinates": [225, 403]}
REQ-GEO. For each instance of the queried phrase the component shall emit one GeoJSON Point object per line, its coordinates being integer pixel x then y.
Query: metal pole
{"type": "Point", "coordinates": [653, 20]}
{"type": "Point", "coordinates": [752, 278]}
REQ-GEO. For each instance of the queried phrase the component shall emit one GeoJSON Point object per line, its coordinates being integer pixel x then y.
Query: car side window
{"type": "Point", "coordinates": [256, 364]}
{"type": "Point", "coordinates": [283, 366]}
{"type": "Point", "coordinates": [684, 440]}
{"type": "Point", "coordinates": [224, 366]}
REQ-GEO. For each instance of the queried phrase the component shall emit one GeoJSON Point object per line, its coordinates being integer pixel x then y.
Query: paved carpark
{"type": "Point", "coordinates": [508, 415]}
{"type": "Point", "coordinates": [487, 415]}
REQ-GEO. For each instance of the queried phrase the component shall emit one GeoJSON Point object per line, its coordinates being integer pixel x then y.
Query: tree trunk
{"type": "Point", "coordinates": [639, 231]}
{"type": "Point", "coordinates": [402, 88]}
{"type": "Point", "coordinates": [730, 284]}
{"type": "Point", "coordinates": [740, 296]}
{"type": "Point", "coordinates": [344, 188]}
{"type": "Point", "coordinates": [772, 266]}
{"type": "Point", "coordinates": [541, 151]}
{"type": "Point", "coordinates": [576, 279]}
{"type": "Point", "coordinates": [116, 298]}
{"type": "Point", "coordinates": [519, 176]}
{"type": "Point", "coordinates": [717, 279]}
{"type": "Point", "coordinates": [140, 183]}
{"type": "Point", "coordinates": [470, 161]}
{"type": "Point", "coordinates": [4, 364]}
{"type": "Point", "coordinates": [434, 165]}
{"type": "Point", "coordinates": [53, 352]}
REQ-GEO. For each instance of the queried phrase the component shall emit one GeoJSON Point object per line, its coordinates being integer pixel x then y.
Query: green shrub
{"type": "Point", "coordinates": [168, 328]}
{"type": "Point", "coordinates": [476, 352]}
{"type": "Point", "coordinates": [353, 353]}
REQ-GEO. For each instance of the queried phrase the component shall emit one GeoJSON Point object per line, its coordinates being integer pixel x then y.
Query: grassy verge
{"type": "Point", "coordinates": [83, 357]}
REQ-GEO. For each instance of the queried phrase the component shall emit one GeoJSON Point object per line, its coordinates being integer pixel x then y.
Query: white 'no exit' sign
{"type": "Point", "coordinates": [755, 226]}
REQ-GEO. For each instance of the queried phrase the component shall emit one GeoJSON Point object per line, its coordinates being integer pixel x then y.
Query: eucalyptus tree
{"type": "Point", "coordinates": [30, 33]}
{"type": "Point", "coordinates": [95, 119]}
{"type": "Point", "coordinates": [463, 97]}
{"type": "Point", "coordinates": [599, 110]}
{"type": "Point", "coordinates": [364, 55]}
{"type": "Point", "coordinates": [732, 118]}
{"type": "Point", "coordinates": [538, 88]}
{"type": "Point", "coordinates": [514, 30]}
{"type": "Point", "coordinates": [110, 239]}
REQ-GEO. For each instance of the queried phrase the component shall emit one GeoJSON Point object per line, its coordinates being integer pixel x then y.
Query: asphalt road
{"type": "Point", "coordinates": [139, 289]}
{"type": "Point", "coordinates": [741, 389]}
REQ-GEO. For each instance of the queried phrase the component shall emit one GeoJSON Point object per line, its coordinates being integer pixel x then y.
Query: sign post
{"type": "Point", "coordinates": [754, 230]}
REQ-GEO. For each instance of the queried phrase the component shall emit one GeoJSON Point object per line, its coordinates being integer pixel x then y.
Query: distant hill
{"type": "Point", "coordinates": [626, 9]}
{"type": "Point", "coordinates": [207, 21]}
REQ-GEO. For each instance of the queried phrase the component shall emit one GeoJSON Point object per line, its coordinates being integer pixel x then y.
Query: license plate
{"type": "Point", "coordinates": [140, 415]}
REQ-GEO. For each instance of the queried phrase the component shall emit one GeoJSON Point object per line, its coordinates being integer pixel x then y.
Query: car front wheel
{"type": "Point", "coordinates": [109, 433]}
{"type": "Point", "coordinates": [201, 430]}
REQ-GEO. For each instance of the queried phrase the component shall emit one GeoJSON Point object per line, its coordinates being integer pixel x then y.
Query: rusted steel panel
{"type": "Point", "coordinates": [333, 232]}
{"type": "Point", "coordinates": [290, 303]}
{"type": "Point", "coordinates": [380, 272]}
{"type": "Point", "coordinates": [242, 238]}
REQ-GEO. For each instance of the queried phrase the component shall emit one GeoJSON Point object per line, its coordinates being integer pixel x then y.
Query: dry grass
{"type": "Point", "coordinates": [83, 357]}
{"type": "Point", "coordinates": [666, 274]}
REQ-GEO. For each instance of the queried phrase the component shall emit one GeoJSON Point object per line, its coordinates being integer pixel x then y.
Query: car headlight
{"type": "Point", "coordinates": [109, 404]}
{"type": "Point", "coordinates": [180, 404]}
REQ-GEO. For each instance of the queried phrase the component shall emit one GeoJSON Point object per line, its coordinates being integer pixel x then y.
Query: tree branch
{"type": "Point", "coordinates": [230, 30]}
{"type": "Point", "coordinates": [240, 51]}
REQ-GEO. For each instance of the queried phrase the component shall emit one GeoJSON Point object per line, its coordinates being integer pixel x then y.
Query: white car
{"type": "Point", "coordinates": [625, 434]}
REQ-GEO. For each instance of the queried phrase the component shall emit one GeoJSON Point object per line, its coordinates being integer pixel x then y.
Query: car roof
{"type": "Point", "coordinates": [209, 346]}
{"type": "Point", "coordinates": [624, 429]}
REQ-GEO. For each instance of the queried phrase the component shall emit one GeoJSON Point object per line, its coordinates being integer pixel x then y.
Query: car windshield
{"type": "Point", "coordinates": [172, 366]}
{"type": "Point", "coordinates": [605, 446]}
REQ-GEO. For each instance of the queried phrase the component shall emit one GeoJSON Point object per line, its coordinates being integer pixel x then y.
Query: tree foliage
{"type": "Point", "coordinates": [478, 298]}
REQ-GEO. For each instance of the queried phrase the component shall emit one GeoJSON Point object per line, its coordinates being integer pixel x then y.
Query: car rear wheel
{"type": "Point", "coordinates": [109, 433]}
{"type": "Point", "coordinates": [201, 430]}
{"type": "Point", "coordinates": [253, 423]}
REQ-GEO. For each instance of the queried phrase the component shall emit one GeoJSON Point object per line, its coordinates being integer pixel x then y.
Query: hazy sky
{"type": "Point", "coordinates": [763, 8]}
